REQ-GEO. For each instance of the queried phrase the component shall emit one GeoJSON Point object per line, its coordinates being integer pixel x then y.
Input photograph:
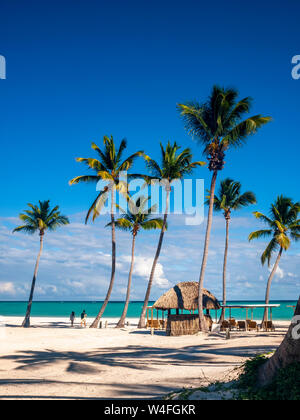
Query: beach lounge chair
{"type": "Point", "coordinates": [268, 326]}
{"type": "Point", "coordinates": [232, 323]}
{"type": "Point", "coordinates": [252, 326]}
{"type": "Point", "coordinates": [163, 324]}
{"type": "Point", "coordinates": [242, 326]}
{"type": "Point", "coordinates": [225, 326]}
{"type": "Point", "coordinates": [153, 324]}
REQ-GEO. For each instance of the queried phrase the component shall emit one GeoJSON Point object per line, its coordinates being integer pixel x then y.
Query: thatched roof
{"type": "Point", "coordinates": [185, 296]}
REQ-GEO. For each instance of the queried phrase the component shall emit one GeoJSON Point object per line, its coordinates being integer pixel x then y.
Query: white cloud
{"type": "Point", "coordinates": [76, 262]}
{"type": "Point", "coordinates": [142, 268]}
{"type": "Point", "coordinates": [7, 288]}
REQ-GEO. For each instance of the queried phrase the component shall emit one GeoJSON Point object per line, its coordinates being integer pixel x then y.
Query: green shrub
{"type": "Point", "coordinates": [285, 386]}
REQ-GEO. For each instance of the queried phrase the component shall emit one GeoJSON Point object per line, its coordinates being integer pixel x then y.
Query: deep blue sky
{"type": "Point", "coordinates": [77, 70]}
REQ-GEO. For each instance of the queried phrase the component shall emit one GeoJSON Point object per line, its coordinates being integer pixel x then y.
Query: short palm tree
{"type": "Point", "coordinates": [283, 226]}
{"type": "Point", "coordinates": [108, 167]}
{"type": "Point", "coordinates": [174, 166]}
{"type": "Point", "coordinates": [218, 125]}
{"type": "Point", "coordinates": [39, 218]}
{"type": "Point", "coordinates": [136, 218]}
{"type": "Point", "coordinates": [230, 199]}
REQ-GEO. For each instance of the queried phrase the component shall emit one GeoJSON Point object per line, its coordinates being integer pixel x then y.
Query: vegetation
{"type": "Point", "coordinates": [107, 167]}
{"type": "Point", "coordinates": [283, 227]}
{"type": "Point", "coordinates": [230, 199]}
{"type": "Point", "coordinates": [39, 218]}
{"type": "Point", "coordinates": [173, 166]}
{"type": "Point", "coordinates": [284, 387]}
{"type": "Point", "coordinates": [219, 126]}
{"type": "Point", "coordinates": [136, 218]}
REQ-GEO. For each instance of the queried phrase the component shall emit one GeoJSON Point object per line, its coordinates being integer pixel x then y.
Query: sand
{"type": "Point", "coordinates": [53, 361]}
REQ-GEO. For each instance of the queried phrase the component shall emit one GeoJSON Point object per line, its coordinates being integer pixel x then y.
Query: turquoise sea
{"type": "Point", "coordinates": [114, 309]}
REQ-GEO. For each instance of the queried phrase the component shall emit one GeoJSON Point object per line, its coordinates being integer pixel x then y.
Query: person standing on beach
{"type": "Point", "coordinates": [72, 319]}
{"type": "Point", "coordinates": [83, 318]}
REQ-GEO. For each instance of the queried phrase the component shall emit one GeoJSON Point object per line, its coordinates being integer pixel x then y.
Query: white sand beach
{"type": "Point", "coordinates": [53, 361]}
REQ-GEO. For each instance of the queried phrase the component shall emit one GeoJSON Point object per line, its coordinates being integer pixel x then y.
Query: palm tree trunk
{"type": "Point", "coordinates": [267, 299]}
{"type": "Point", "coordinates": [142, 322]}
{"type": "Point", "coordinates": [121, 323]}
{"type": "Point", "coordinates": [225, 270]}
{"type": "Point", "coordinates": [287, 353]}
{"type": "Point", "coordinates": [202, 323]}
{"type": "Point", "coordinates": [26, 322]}
{"type": "Point", "coordinates": [113, 264]}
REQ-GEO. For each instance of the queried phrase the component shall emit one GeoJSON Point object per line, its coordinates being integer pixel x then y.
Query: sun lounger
{"type": "Point", "coordinates": [242, 326]}
{"type": "Point", "coordinates": [163, 324]}
{"type": "Point", "coordinates": [153, 324]}
{"type": "Point", "coordinates": [252, 326]}
{"type": "Point", "coordinates": [232, 323]}
{"type": "Point", "coordinates": [225, 326]}
{"type": "Point", "coordinates": [268, 326]}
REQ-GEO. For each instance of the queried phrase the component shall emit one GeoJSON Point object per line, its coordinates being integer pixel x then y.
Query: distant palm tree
{"type": "Point", "coordinates": [39, 218]}
{"type": "Point", "coordinates": [228, 199]}
{"type": "Point", "coordinates": [219, 126]}
{"type": "Point", "coordinates": [109, 168]}
{"type": "Point", "coordinates": [136, 218]}
{"type": "Point", "coordinates": [284, 226]}
{"type": "Point", "coordinates": [174, 166]}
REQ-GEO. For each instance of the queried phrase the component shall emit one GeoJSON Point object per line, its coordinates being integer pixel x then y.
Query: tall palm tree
{"type": "Point", "coordinates": [218, 125]}
{"type": "Point", "coordinates": [174, 166]}
{"type": "Point", "coordinates": [136, 218]}
{"type": "Point", "coordinates": [229, 199]}
{"type": "Point", "coordinates": [39, 218]}
{"type": "Point", "coordinates": [287, 353]}
{"type": "Point", "coordinates": [283, 226]}
{"type": "Point", "coordinates": [108, 167]}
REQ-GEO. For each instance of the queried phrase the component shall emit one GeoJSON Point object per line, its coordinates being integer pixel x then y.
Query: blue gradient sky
{"type": "Point", "coordinates": [77, 70]}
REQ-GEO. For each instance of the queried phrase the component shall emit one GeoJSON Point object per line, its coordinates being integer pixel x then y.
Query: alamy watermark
{"type": "Point", "coordinates": [296, 67]}
{"type": "Point", "coordinates": [2, 67]}
{"type": "Point", "coordinates": [296, 329]}
{"type": "Point", "coordinates": [186, 197]}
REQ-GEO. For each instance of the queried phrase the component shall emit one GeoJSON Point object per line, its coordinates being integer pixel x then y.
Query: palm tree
{"type": "Point", "coordinates": [229, 199]}
{"type": "Point", "coordinates": [174, 166]}
{"type": "Point", "coordinates": [39, 218]}
{"type": "Point", "coordinates": [218, 124]}
{"type": "Point", "coordinates": [109, 168]}
{"type": "Point", "coordinates": [286, 354]}
{"type": "Point", "coordinates": [283, 227]}
{"type": "Point", "coordinates": [136, 218]}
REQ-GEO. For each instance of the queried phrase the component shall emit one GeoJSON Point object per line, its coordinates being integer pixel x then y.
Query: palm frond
{"type": "Point", "coordinates": [260, 234]}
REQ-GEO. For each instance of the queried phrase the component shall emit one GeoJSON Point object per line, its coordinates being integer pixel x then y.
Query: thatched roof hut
{"type": "Point", "coordinates": [185, 296]}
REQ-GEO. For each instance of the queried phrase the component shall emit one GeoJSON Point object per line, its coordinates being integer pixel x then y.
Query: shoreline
{"type": "Point", "coordinates": [108, 318]}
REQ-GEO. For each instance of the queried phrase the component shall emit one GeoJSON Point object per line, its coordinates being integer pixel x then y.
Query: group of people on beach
{"type": "Point", "coordinates": [83, 318]}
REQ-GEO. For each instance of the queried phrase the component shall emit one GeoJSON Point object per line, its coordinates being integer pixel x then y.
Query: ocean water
{"type": "Point", "coordinates": [114, 309]}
